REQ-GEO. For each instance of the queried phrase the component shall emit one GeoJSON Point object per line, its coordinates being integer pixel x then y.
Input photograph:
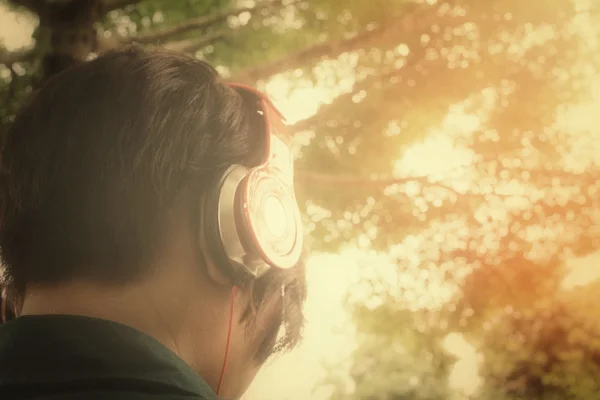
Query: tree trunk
{"type": "Point", "coordinates": [67, 34]}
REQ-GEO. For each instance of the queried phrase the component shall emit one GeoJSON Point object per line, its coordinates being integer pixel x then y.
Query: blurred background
{"type": "Point", "coordinates": [448, 156]}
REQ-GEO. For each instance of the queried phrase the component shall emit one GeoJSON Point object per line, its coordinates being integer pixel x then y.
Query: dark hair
{"type": "Point", "coordinates": [94, 162]}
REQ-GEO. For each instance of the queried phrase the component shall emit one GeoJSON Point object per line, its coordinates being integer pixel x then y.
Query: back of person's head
{"type": "Point", "coordinates": [96, 160]}
{"type": "Point", "coordinates": [99, 161]}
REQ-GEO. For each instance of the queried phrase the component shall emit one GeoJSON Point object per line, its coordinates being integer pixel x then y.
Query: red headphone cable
{"type": "Point", "coordinates": [233, 291]}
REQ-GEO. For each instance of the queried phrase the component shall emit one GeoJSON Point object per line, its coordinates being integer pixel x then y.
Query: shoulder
{"type": "Point", "coordinates": [123, 395]}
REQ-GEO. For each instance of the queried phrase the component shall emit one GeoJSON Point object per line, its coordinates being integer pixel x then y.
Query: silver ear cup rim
{"type": "Point", "coordinates": [229, 232]}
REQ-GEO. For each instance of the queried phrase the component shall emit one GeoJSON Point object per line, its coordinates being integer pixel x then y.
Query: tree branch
{"type": "Point", "coordinates": [9, 58]}
{"type": "Point", "coordinates": [198, 23]}
{"type": "Point", "coordinates": [13, 86]}
{"type": "Point", "coordinates": [365, 84]}
{"type": "Point", "coordinates": [311, 55]}
{"type": "Point", "coordinates": [35, 6]}
{"type": "Point", "coordinates": [341, 180]}
{"type": "Point", "coordinates": [111, 5]}
{"type": "Point", "coordinates": [349, 180]}
{"type": "Point", "coordinates": [192, 46]}
{"type": "Point", "coordinates": [380, 183]}
{"type": "Point", "coordinates": [400, 24]}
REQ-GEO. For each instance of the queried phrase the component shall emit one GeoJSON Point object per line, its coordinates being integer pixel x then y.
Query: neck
{"type": "Point", "coordinates": [168, 308]}
{"type": "Point", "coordinates": [133, 305]}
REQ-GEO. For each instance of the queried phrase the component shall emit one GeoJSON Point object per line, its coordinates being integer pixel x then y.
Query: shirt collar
{"type": "Point", "coordinates": [66, 348]}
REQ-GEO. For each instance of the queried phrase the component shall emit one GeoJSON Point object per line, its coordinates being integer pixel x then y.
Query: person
{"type": "Point", "coordinates": [150, 235]}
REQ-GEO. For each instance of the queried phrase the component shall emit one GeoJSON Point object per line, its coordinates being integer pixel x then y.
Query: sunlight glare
{"type": "Point", "coordinates": [15, 28]}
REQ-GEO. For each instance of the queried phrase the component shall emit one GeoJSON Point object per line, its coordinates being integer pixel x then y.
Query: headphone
{"type": "Point", "coordinates": [251, 218]}
{"type": "Point", "coordinates": [252, 222]}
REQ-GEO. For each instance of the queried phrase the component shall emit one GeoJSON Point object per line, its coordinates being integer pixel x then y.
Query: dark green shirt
{"type": "Point", "coordinates": [64, 357]}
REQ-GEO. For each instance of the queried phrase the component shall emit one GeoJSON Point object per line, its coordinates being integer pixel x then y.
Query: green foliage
{"type": "Point", "coordinates": [549, 351]}
{"type": "Point", "coordinates": [149, 15]}
{"type": "Point", "coordinates": [14, 89]}
{"type": "Point", "coordinates": [396, 361]}
{"type": "Point", "coordinates": [518, 144]}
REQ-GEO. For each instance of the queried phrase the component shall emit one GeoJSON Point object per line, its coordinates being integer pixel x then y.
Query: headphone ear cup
{"type": "Point", "coordinates": [210, 226]}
